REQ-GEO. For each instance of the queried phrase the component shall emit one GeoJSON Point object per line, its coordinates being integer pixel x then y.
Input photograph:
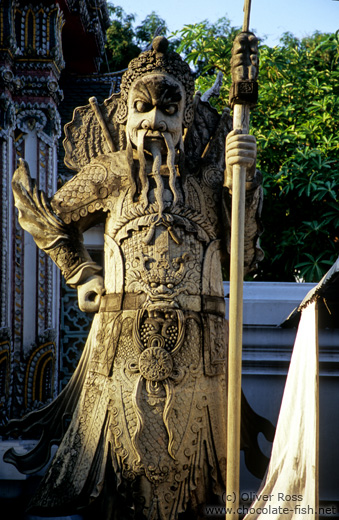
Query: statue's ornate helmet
{"type": "Point", "coordinates": [157, 60]}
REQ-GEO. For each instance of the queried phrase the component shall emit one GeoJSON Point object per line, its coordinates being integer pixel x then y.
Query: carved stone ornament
{"type": "Point", "coordinates": [146, 404]}
{"type": "Point", "coordinates": [244, 70]}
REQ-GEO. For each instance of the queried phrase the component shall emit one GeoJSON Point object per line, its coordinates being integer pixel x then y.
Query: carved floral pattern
{"type": "Point", "coordinates": [155, 364]}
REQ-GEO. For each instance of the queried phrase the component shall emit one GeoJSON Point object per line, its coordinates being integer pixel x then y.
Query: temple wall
{"type": "Point", "coordinates": [40, 43]}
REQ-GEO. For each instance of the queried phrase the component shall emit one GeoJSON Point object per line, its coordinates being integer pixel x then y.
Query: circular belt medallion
{"type": "Point", "coordinates": [155, 364]}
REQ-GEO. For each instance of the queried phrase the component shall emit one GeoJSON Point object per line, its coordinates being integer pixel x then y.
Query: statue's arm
{"type": "Point", "coordinates": [62, 242]}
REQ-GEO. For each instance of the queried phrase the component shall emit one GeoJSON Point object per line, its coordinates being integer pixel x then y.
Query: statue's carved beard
{"type": "Point", "coordinates": [155, 149]}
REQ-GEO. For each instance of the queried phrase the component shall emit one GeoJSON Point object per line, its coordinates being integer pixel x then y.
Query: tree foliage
{"type": "Point", "coordinates": [125, 41]}
{"type": "Point", "coordinates": [144, 33]}
{"type": "Point", "coordinates": [209, 54]}
{"type": "Point", "coordinates": [121, 47]}
{"type": "Point", "coordinates": [296, 123]}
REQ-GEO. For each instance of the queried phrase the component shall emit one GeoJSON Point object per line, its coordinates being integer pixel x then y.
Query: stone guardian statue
{"type": "Point", "coordinates": [145, 436]}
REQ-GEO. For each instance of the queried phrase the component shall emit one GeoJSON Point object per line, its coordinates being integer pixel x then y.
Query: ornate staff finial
{"type": "Point", "coordinates": [244, 65]}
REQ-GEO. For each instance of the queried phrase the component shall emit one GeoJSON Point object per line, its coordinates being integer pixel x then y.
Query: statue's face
{"type": "Point", "coordinates": [156, 105]}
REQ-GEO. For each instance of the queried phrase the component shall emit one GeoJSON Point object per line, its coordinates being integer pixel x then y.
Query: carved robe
{"type": "Point", "coordinates": [147, 401]}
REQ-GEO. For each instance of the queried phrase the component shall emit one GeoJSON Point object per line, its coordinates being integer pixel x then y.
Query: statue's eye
{"type": "Point", "coordinates": [142, 106]}
{"type": "Point", "coordinates": [170, 109]}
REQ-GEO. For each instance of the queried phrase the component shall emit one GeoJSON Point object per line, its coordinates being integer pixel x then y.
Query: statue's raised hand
{"type": "Point", "coordinates": [89, 293]}
{"type": "Point", "coordinates": [241, 149]}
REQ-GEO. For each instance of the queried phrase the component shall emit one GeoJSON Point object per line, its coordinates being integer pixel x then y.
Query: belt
{"type": "Point", "coordinates": [133, 301]}
{"type": "Point", "coordinates": [121, 301]}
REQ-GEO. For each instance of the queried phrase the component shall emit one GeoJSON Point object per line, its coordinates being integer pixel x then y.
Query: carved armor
{"type": "Point", "coordinates": [156, 376]}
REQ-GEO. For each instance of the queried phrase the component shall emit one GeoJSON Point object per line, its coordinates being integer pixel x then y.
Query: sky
{"type": "Point", "coordinates": [269, 18]}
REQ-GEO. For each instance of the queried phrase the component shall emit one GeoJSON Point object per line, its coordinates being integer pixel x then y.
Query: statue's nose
{"type": "Point", "coordinates": [154, 122]}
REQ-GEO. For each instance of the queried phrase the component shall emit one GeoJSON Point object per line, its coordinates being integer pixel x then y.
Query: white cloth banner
{"type": "Point", "coordinates": [290, 489]}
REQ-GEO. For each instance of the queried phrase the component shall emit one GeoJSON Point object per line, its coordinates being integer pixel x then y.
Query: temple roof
{"type": "Point", "coordinates": [326, 292]}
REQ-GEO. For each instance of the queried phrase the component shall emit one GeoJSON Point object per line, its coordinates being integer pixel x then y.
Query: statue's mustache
{"type": "Point", "coordinates": [156, 149]}
{"type": "Point", "coordinates": [154, 133]}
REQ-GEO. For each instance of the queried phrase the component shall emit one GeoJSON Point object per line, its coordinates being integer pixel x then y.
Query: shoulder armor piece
{"type": "Point", "coordinates": [91, 133]}
{"type": "Point", "coordinates": [87, 191]}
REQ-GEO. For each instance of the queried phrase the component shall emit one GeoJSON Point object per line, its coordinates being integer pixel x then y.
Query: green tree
{"type": "Point", "coordinates": [121, 47]}
{"type": "Point", "coordinates": [296, 123]}
{"type": "Point", "coordinates": [207, 46]}
{"type": "Point", "coordinates": [125, 41]}
{"type": "Point", "coordinates": [144, 33]}
{"type": "Point", "coordinates": [153, 25]}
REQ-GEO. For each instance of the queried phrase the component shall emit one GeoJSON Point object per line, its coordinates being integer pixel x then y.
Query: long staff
{"type": "Point", "coordinates": [242, 97]}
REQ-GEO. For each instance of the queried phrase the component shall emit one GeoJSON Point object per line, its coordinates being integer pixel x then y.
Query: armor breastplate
{"type": "Point", "coordinates": [173, 258]}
